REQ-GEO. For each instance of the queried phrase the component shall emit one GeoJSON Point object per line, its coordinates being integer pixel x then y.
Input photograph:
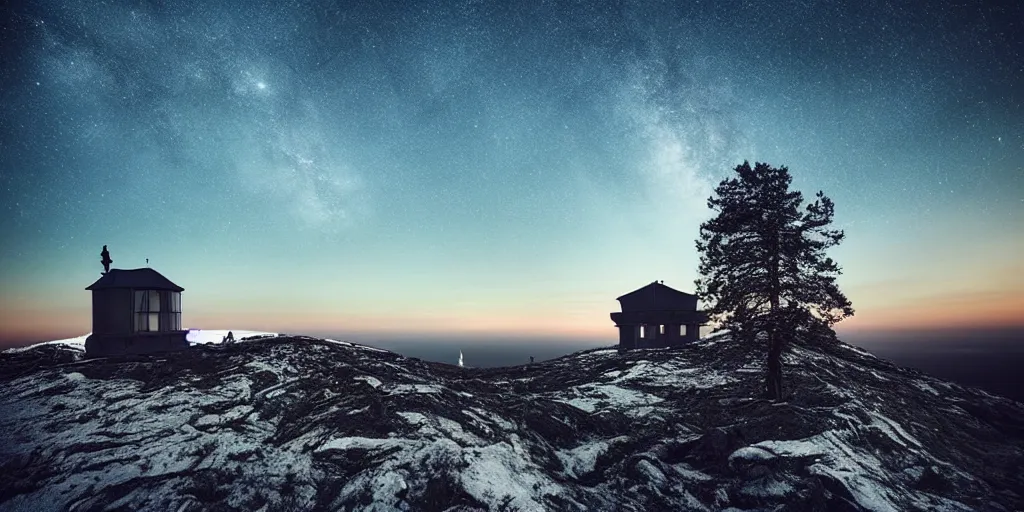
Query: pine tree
{"type": "Point", "coordinates": [763, 264]}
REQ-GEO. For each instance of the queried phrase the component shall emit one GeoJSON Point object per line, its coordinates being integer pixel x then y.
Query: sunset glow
{"type": "Point", "coordinates": [498, 169]}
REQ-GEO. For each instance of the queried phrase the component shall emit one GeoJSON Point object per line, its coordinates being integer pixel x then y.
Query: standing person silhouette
{"type": "Point", "coordinates": [105, 259]}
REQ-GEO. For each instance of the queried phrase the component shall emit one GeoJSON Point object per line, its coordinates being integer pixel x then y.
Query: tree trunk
{"type": "Point", "coordinates": [773, 380]}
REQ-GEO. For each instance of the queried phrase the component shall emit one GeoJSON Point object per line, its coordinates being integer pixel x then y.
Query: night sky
{"type": "Point", "coordinates": [490, 168]}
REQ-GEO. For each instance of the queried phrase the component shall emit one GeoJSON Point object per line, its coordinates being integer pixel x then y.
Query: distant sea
{"type": "Point", "coordinates": [482, 352]}
{"type": "Point", "coordinates": [991, 359]}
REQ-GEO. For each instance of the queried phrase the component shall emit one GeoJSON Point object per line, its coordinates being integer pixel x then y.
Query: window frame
{"type": "Point", "coordinates": [166, 315]}
{"type": "Point", "coordinates": [173, 311]}
{"type": "Point", "coordinates": [143, 313]}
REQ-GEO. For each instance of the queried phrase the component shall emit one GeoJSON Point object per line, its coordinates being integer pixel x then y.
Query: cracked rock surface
{"type": "Point", "coordinates": [299, 423]}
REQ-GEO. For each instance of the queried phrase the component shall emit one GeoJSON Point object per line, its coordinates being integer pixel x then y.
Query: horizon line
{"type": "Point", "coordinates": [14, 340]}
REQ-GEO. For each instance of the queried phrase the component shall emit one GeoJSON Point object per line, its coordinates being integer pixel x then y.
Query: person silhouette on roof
{"type": "Point", "coordinates": [105, 259]}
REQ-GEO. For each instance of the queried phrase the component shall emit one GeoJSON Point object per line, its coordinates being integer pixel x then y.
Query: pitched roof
{"type": "Point", "coordinates": [139, 278]}
{"type": "Point", "coordinates": [657, 296]}
{"type": "Point", "coordinates": [654, 289]}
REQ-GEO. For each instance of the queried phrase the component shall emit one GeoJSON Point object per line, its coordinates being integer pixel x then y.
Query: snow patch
{"type": "Point", "coordinates": [582, 459]}
{"type": "Point", "coordinates": [860, 472]}
{"type": "Point", "coordinates": [673, 375]}
{"type": "Point", "coordinates": [592, 397]}
{"type": "Point", "coordinates": [925, 387]}
{"type": "Point", "coordinates": [655, 475]}
{"type": "Point", "coordinates": [372, 381]}
{"type": "Point", "coordinates": [858, 350]}
{"type": "Point", "coordinates": [498, 420]}
{"type": "Point", "coordinates": [336, 342]}
{"type": "Point", "coordinates": [688, 473]}
{"type": "Point", "coordinates": [213, 336]}
{"type": "Point", "coordinates": [502, 473]}
{"type": "Point", "coordinates": [767, 489]}
{"type": "Point", "coordinates": [892, 429]}
{"type": "Point", "coordinates": [77, 343]}
{"type": "Point", "coordinates": [356, 442]}
{"type": "Point", "coordinates": [751, 453]}
{"type": "Point", "coordinates": [414, 418]}
{"type": "Point", "coordinates": [401, 389]}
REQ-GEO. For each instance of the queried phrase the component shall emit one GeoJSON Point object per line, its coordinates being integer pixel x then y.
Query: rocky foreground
{"type": "Point", "coordinates": [296, 423]}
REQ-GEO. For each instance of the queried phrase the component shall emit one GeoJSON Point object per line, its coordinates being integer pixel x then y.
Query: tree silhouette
{"type": "Point", "coordinates": [763, 264]}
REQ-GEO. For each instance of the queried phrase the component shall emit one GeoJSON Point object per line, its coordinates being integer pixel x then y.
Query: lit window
{"type": "Point", "coordinates": [661, 329]}
{"type": "Point", "coordinates": [174, 312]}
{"type": "Point", "coordinates": [682, 330]}
{"type": "Point", "coordinates": [147, 310]}
{"type": "Point", "coordinates": [641, 331]}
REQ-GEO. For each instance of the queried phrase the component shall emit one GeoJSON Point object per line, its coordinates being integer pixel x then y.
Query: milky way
{"type": "Point", "coordinates": [507, 161]}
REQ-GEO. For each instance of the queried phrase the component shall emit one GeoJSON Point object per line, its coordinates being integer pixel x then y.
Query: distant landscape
{"type": "Point", "coordinates": [480, 352]}
{"type": "Point", "coordinates": [988, 359]}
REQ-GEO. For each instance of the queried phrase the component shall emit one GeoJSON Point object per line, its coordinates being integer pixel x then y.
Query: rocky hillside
{"type": "Point", "coordinates": [296, 423]}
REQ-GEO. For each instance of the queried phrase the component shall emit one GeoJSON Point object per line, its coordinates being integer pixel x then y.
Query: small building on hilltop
{"type": "Point", "coordinates": [135, 311]}
{"type": "Point", "coordinates": [657, 316]}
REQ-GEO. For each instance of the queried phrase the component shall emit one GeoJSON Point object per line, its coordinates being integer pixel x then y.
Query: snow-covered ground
{"type": "Point", "coordinates": [204, 336]}
{"type": "Point", "coordinates": [296, 423]}
{"type": "Point", "coordinates": [195, 337]}
{"type": "Point", "coordinates": [78, 343]}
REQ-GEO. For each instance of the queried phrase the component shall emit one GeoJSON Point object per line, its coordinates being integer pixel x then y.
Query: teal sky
{"type": "Point", "coordinates": [481, 168]}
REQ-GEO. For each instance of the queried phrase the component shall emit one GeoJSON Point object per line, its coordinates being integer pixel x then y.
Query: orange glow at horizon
{"type": "Point", "coordinates": [25, 321]}
{"type": "Point", "coordinates": [981, 309]}
{"type": "Point", "coordinates": [569, 326]}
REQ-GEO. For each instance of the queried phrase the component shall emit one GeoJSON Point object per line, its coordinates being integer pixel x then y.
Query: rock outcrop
{"type": "Point", "coordinates": [297, 423]}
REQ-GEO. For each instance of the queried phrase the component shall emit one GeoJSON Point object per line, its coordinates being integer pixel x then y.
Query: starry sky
{"type": "Point", "coordinates": [497, 168]}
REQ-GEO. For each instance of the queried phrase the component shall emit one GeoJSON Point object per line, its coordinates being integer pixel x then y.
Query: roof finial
{"type": "Point", "coordinates": [105, 259]}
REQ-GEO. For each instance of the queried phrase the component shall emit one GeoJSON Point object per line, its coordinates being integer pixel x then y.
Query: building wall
{"type": "Point", "coordinates": [629, 336]}
{"type": "Point", "coordinates": [692, 333]}
{"type": "Point", "coordinates": [112, 311]}
{"type": "Point", "coordinates": [141, 343]}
